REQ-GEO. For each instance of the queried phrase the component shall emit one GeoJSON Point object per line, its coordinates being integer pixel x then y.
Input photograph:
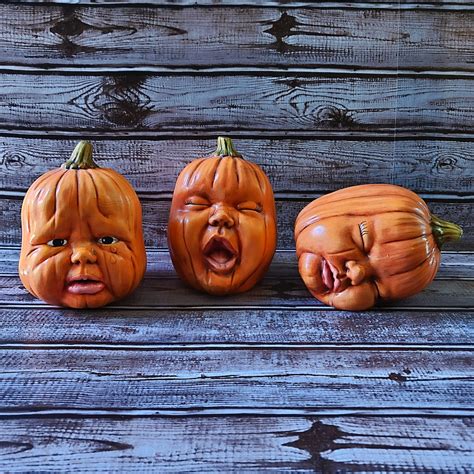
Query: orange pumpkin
{"type": "Point", "coordinates": [222, 226]}
{"type": "Point", "coordinates": [369, 242]}
{"type": "Point", "coordinates": [82, 238]}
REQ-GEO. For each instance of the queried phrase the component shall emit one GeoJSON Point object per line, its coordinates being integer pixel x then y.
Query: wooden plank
{"type": "Point", "coordinates": [229, 444]}
{"type": "Point", "coordinates": [120, 37]}
{"type": "Point", "coordinates": [263, 379]}
{"type": "Point", "coordinates": [454, 265]}
{"type": "Point", "coordinates": [282, 286]}
{"type": "Point", "coordinates": [156, 211]}
{"type": "Point", "coordinates": [203, 102]}
{"type": "Point", "coordinates": [215, 326]}
{"type": "Point", "coordinates": [307, 166]}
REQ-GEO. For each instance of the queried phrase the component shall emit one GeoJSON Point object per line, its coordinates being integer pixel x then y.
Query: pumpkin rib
{"type": "Point", "coordinates": [187, 249]}
{"type": "Point", "coordinates": [190, 176]}
{"type": "Point", "coordinates": [256, 169]}
{"type": "Point", "coordinates": [215, 171]}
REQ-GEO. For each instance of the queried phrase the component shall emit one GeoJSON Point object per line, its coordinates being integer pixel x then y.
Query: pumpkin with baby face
{"type": "Point", "coordinates": [222, 225]}
{"type": "Point", "coordinates": [82, 238]}
{"type": "Point", "coordinates": [369, 242]}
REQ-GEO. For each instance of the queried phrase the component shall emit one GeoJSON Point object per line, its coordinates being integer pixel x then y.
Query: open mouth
{"type": "Point", "coordinates": [84, 285]}
{"type": "Point", "coordinates": [220, 255]}
{"type": "Point", "coordinates": [329, 277]}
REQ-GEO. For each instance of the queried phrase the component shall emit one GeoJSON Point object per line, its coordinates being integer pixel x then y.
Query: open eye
{"type": "Point", "coordinates": [197, 203]}
{"type": "Point", "coordinates": [107, 240]}
{"type": "Point", "coordinates": [249, 206]}
{"type": "Point", "coordinates": [57, 242]}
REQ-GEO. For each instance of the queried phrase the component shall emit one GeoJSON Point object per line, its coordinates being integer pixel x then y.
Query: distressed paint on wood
{"type": "Point", "coordinates": [156, 211]}
{"type": "Point", "coordinates": [150, 378]}
{"type": "Point", "coordinates": [306, 166]}
{"type": "Point", "coordinates": [208, 444]}
{"type": "Point", "coordinates": [204, 103]}
{"type": "Point", "coordinates": [77, 35]}
{"type": "Point", "coordinates": [214, 326]}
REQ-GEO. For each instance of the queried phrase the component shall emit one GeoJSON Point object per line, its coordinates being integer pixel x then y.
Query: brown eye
{"type": "Point", "coordinates": [57, 242]}
{"type": "Point", "coordinates": [107, 240]}
{"type": "Point", "coordinates": [249, 206]}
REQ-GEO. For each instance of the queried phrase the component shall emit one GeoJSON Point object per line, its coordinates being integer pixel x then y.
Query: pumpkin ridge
{"type": "Point", "coordinates": [187, 250]}
{"type": "Point", "coordinates": [215, 171]}
{"type": "Point", "coordinates": [426, 257]}
{"type": "Point", "coordinates": [190, 178]}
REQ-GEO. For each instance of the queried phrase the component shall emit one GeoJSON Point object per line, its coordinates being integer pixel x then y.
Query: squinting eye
{"type": "Point", "coordinates": [57, 242]}
{"type": "Point", "coordinates": [249, 206]}
{"type": "Point", "coordinates": [197, 202]}
{"type": "Point", "coordinates": [107, 240]}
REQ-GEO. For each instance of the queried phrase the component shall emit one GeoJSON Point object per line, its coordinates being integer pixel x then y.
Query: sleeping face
{"type": "Point", "coordinates": [222, 231]}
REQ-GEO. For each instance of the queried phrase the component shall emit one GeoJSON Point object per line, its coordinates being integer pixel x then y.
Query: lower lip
{"type": "Point", "coordinates": [85, 288]}
{"type": "Point", "coordinates": [222, 267]}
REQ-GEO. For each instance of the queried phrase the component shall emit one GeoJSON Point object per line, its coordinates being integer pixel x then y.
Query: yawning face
{"type": "Point", "coordinates": [221, 229]}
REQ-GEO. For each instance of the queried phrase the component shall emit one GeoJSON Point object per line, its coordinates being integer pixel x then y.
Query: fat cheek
{"type": "Point", "coordinates": [119, 270]}
{"type": "Point", "coordinates": [49, 275]}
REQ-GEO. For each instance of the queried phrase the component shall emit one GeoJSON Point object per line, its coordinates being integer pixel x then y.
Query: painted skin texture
{"type": "Point", "coordinates": [82, 239]}
{"type": "Point", "coordinates": [222, 225]}
{"type": "Point", "coordinates": [365, 243]}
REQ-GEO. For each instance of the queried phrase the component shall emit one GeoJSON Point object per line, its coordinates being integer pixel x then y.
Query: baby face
{"type": "Point", "coordinates": [81, 252]}
{"type": "Point", "coordinates": [221, 230]}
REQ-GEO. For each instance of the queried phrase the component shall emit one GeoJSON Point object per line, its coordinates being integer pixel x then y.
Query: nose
{"type": "Point", "coordinates": [355, 272]}
{"type": "Point", "coordinates": [83, 254]}
{"type": "Point", "coordinates": [221, 217]}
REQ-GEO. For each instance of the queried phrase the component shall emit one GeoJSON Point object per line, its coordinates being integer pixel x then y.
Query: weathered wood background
{"type": "Point", "coordinates": [321, 95]}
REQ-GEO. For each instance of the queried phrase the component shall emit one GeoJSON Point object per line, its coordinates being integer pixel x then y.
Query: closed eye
{"type": "Point", "coordinates": [364, 233]}
{"type": "Point", "coordinates": [197, 202]}
{"type": "Point", "coordinates": [249, 206]}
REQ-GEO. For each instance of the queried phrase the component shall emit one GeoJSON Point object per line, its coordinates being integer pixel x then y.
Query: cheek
{"type": "Point", "coordinates": [47, 273]}
{"type": "Point", "coordinates": [252, 238]}
{"type": "Point", "coordinates": [355, 298]}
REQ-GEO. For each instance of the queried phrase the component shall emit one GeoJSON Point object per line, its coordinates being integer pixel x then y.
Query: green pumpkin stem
{"type": "Point", "coordinates": [225, 147]}
{"type": "Point", "coordinates": [444, 231]}
{"type": "Point", "coordinates": [81, 157]}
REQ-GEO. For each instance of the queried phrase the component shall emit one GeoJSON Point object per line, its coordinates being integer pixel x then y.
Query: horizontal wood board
{"type": "Point", "coordinates": [309, 166]}
{"type": "Point", "coordinates": [217, 444]}
{"type": "Point", "coordinates": [156, 211]}
{"type": "Point", "coordinates": [203, 102]}
{"type": "Point", "coordinates": [367, 37]}
{"type": "Point", "coordinates": [279, 288]}
{"type": "Point", "coordinates": [260, 379]}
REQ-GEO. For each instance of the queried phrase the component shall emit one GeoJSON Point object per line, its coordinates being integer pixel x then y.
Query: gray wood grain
{"type": "Point", "coordinates": [204, 103]}
{"type": "Point", "coordinates": [215, 326]}
{"type": "Point", "coordinates": [306, 166]}
{"type": "Point", "coordinates": [156, 211]}
{"type": "Point", "coordinates": [261, 379]}
{"type": "Point", "coordinates": [105, 37]}
{"type": "Point", "coordinates": [237, 444]}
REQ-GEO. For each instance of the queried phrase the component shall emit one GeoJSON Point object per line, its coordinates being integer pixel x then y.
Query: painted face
{"type": "Point", "coordinates": [82, 240]}
{"type": "Point", "coordinates": [350, 259]}
{"type": "Point", "coordinates": [222, 231]}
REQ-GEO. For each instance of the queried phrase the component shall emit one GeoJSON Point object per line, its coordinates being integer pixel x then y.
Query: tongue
{"type": "Point", "coordinates": [328, 279]}
{"type": "Point", "coordinates": [220, 256]}
{"type": "Point", "coordinates": [88, 287]}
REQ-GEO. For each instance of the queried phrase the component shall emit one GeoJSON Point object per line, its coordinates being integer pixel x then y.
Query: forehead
{"type": "Point", "coordinates": [224, 179]}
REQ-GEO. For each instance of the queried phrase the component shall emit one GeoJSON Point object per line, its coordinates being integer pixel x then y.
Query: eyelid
{"type": "Point", "coordinates": [249, 206]}
{"type": "Point", "coordinates": [50, 242]}
{"type": "Point", "coordinates": [196, 201]}
{"type": "Point", "coordinates": [115, 239]}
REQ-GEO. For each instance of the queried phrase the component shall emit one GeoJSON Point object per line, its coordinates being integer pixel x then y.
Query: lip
{"type": "Point", "coordinates": [330, 277]}
{"type": "Point", "coordinates": [220, 254]}
{"type": "Point", "coordinates": [84, 285]}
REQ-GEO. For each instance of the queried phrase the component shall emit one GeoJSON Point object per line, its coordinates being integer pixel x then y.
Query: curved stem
{"type": "Point", "coordinates": [444, 231]}
{"type": "Point", "coordinates": [81, 157]}
{"type": "Point", "coordinates": [225, 147]}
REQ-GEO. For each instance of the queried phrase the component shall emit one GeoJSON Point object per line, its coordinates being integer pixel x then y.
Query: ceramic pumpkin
{"type": "Point", "coordinates": [222, 226]}
{"type": "Point", "coordinates": [369, 242]}
{"type": "Point", "coordinates": [82, 238]}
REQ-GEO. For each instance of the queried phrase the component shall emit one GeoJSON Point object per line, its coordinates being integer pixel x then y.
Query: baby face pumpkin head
{"type": "Point", "coordinates": [369, 242]}
{"type": "Point", "coordinates": [222, 231]}
{"type": "Point", "coordinates": [82, 243]}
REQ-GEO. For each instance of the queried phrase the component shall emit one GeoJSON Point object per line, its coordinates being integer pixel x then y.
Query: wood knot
{"type": "Point", "coordinates": [335, 117]}
{"type": "Point", "coordinates": [397, 377]}
{"type": "Point", "coordinates": [280, 29]}
{"type": "Point", "coordinates": [69, 27]}
{"type": "Point", "coordinates": [446, 164]}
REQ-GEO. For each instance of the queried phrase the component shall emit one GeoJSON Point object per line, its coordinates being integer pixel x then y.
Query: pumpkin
{"type": "Point", "coordinates": [82, 239]}
{"type": "Point", "coordinates": [369, 242]}
{"type": "Point", "coordinates": [222, 225]}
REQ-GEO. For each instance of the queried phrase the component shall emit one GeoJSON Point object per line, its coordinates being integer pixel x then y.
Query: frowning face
{"type": "Point", "coordinates": [82, 243]}
{"type": "Point", "coordinates": [222, 232]}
